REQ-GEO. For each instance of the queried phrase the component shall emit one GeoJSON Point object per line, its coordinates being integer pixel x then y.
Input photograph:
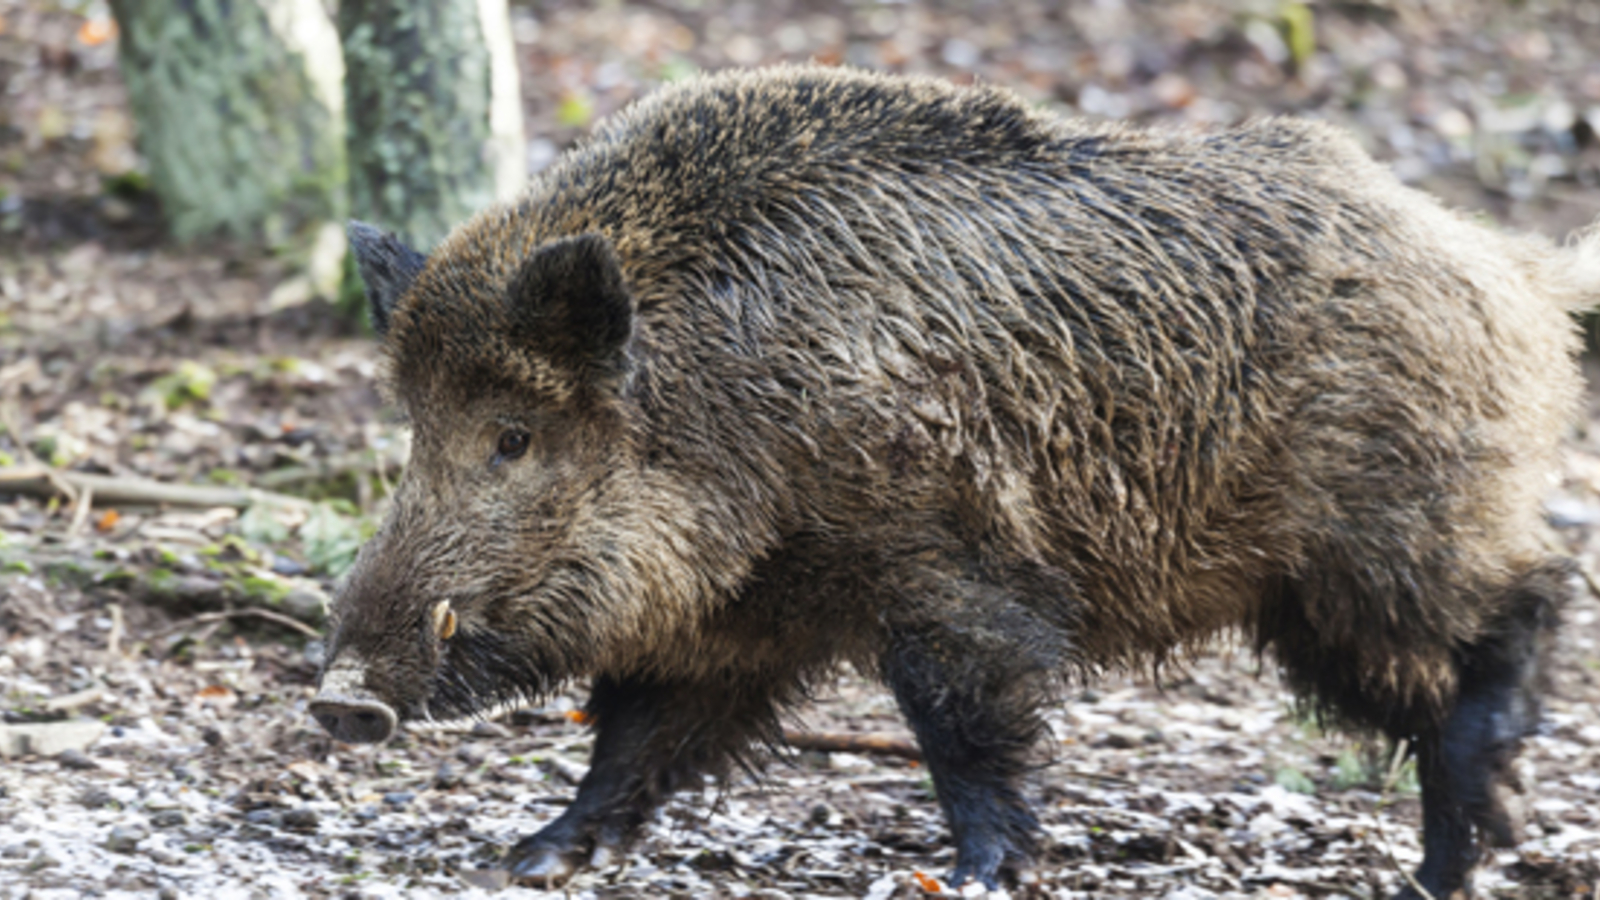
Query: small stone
{"type": "Point", "coordinates": [263, 817]}
{"type": "Point", "coordinates": [14, 851]}
{"type": "Point", "coordinates": [96, 798]}
{"type": "Point", "coordinates": [399, 798]}
{"type": "Point", "coordinates": [525, 718]}
{"type": "Point", "coordinates": [125, 838]}
{"type": "Point", "coordinates": [184, 774]}
{"type": "Point", "coordinates": [169, 818]}
{"type": "Point", "coordinates": [213, 736]}
{"type": "Point", "coordinates": [42, 861]}
{"type": "Point", "coordinates": [73, 758]}
{"type": "Point", "coordinates": [447, 777]}
{"type": "Point", "coordinates": [366, 813]}
{"type": "Point", "coordinates": [1122, 738]}
{"type": "Point", "coordinates": [301, 819]}
{"type": "Point", "coordinates": [168, 893]}
{"type": "Point", "coordinates": [853, 763]}
{"type": "Point", "coordinates": [48, 738]}
{"type": "Point", "coordinates": [306, 605]}
{"type": "Point", "coordinates": [490, 730]}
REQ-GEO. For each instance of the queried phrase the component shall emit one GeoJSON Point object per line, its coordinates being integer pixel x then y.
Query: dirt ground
{"type": "Point", "coordinates": [172, 649]}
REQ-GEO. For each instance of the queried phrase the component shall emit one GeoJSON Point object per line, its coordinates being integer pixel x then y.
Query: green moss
{"type": "Point", "coordinates": [189, 382]}
{"type": "Point", "coordinates": [224, 476]}
{"type": "Point", "coordinates": [1291, 779]}
{"type": "Point", "coordinates": [263, 590]}
{"type": "Point", "coordinates": [417, 94]}
{"type": "Point", "coordinates": [69, 572]}
{"type": "Point", "coordinates": [160, 581]}
{"type": "Point", "coordinates": [239, 134]}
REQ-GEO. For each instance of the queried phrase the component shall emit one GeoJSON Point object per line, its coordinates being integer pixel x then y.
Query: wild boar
{"type": "Point", "coordinates": [788, 368]}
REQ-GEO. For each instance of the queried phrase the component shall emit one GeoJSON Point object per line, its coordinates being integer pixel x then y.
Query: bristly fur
{"type": "Point", "coordinates": [919, 377]}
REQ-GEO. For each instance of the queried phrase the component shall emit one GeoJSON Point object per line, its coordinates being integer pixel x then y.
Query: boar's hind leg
{"type": "Point", "coordinates": [1464, 748]}
{"type": "Point", "coordinates": [1461, 761]}
{"type": "Point", "coordinates": [975, 717]}
{"type": "Point", "coordinates": [651, 738]}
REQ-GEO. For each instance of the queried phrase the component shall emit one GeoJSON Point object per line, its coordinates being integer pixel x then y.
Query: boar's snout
{"type": "Point", "coordinates": [354, 720]}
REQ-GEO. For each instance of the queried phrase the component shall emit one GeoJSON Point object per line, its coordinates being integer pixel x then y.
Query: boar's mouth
{"type": "Point", "coordinates": [482, 670]}
{"type": "Point", "coordinates": [364, 696]}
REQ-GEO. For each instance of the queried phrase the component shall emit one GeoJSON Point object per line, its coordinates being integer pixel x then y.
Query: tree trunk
{"type": "Point", "coordinates": [433, 110]}
{"type": "Point", "coordinates": [239, 110]}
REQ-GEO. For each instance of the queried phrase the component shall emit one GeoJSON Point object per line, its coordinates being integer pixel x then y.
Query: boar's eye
{"type": "Point", "coordinates": [513, 443]}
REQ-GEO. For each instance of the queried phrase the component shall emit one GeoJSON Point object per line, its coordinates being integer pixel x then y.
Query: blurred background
{"type": "Point", "coordinates": [192, 446]}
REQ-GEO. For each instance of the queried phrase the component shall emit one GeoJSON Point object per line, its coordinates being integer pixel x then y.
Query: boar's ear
{"type": "Point", "coordinates": [388, 267]}
{"type": "Point", "coordinates": [572, 306]}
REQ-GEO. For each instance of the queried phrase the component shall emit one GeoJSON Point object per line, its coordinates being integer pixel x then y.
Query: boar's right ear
{"type": "Point", "coordinates": [573, 307]}
{"type": "Point", "coordinates": [388, 267]}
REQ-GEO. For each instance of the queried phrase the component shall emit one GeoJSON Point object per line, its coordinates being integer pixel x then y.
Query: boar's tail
{"type": "Point", "coordinates": [1574, 280]}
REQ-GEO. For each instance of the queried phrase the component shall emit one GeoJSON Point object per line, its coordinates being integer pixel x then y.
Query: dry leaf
{"type": "Point", "coordinates": [94, 32]}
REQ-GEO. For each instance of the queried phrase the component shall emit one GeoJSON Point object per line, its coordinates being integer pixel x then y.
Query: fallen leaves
{"type": "Point", "coordinates": [96, 31]}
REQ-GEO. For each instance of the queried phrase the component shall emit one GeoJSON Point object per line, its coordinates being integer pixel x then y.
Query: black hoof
{"type": "Point", "coordinates": [545, 862]}
{"type": "Point", "coordinates": [539, 863]}
{"type": "Point", "coordinates": [987, 867]}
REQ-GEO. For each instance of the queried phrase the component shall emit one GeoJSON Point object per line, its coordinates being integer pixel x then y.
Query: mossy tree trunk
{"type": "Point", "coordinates": [435, 123]}
{"type": "Point", "coordinates": [240, 113]}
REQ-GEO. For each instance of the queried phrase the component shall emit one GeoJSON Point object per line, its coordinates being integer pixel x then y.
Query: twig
{"type": "Point", "coordinates": [80, 510]}
{"type": "Point", "coordinates": [1389, 780]}
{"type": "Point", "coordinates": [114, 639]}
{"type": "Point", "coordinates": [359, 461]}
{"type": "Point", "coordinates": [840, 742]}
{"type": "Point", "coordinates": [75, 700]}
{"type": "Point", "coordinates": [223, 615]}
{"type": "Point", "coordinates": [40, 481]}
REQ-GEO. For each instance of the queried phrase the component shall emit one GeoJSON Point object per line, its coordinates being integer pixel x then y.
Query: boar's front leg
{"type": "Point", "coordinates": [974, 711]}
{"type": "Point", "coordinates": [651, 738]}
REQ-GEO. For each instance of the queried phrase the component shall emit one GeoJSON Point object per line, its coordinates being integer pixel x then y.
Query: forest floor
{"type": "Point", "coordinates": [170, 649]}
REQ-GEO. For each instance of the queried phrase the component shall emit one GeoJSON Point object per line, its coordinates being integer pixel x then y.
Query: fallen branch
{"type": "Point", "coordinates": [110, 490]}
{"type": "Point", "coordinates": [839, 742]}
{"type": "Point", "coordinates": [223, 615]}
{"type": "Point", "coordinates": [360, 462]}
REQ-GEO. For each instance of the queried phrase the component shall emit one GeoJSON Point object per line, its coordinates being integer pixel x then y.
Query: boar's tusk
{"type": "Point", "coordinates": [444, 620]}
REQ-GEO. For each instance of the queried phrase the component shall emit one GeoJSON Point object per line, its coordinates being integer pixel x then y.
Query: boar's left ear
{"type": "Point", "coordinates": [573, 307]}
{"type": "Point", "coordinates": [388, 267]}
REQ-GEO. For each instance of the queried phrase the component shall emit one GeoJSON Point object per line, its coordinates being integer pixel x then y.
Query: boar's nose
{"type": "Point", "coordinates": [354, 720]}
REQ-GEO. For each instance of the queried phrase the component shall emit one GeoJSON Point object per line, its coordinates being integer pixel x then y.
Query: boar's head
{"type": "Point", "coordinates": [528, 539]}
